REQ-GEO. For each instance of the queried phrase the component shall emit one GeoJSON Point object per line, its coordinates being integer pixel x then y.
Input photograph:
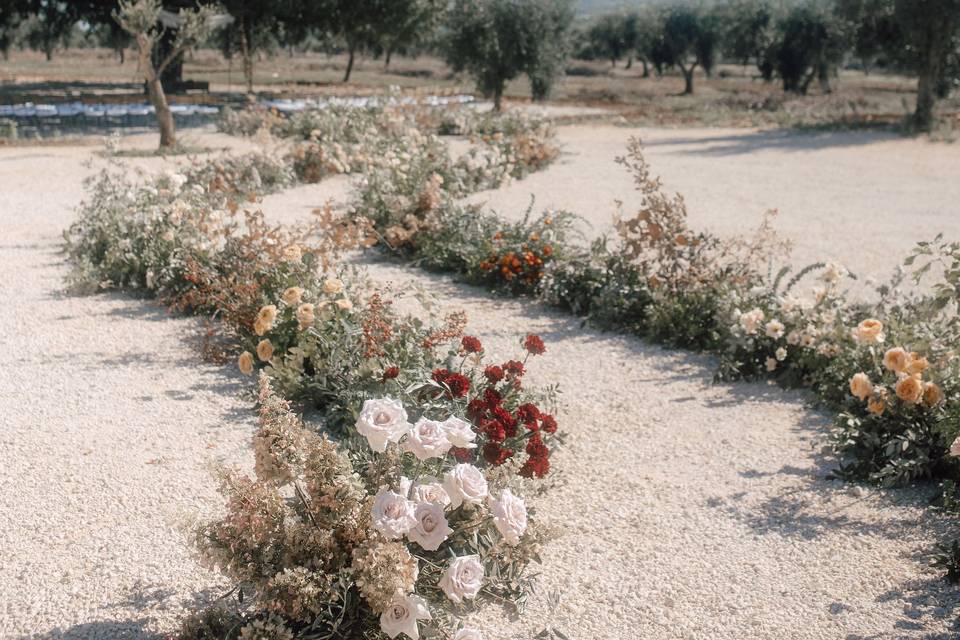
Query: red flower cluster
{"type": "Point", "coordinates": [534, 345]}
{"type": "Point", "coordinates": [457, 383]}
{"type": "Point", "coordinates": [470, 344]}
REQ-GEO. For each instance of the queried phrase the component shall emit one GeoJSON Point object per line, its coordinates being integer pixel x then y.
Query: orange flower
{"type": "Point", "coordinates": [245, 362]}
{"type": "Point", "coordinates": [917, 365]}
{"type": "Point", "coordinates": [860, 386]}
{"type": "Point", "coordinates": [896, 359]}
{"type": "Point", "coordinates": [877, 403]}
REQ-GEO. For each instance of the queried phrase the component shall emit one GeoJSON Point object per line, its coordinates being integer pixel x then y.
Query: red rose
{"type": "Point", "coordinates": [494, 430]}
{"type": "Point", "coordinates": [513, 368]}
{"type": "Point", "coordinates": [390, 373]}
{"type": "Point", "coordinates": [548, 422]}
{"type": "Point", "coordinates": [492, 398]}
{"type": "Point", "coordinates": [534, 345]}
{"type": "Point", "coordinates": [536, 448]}
{"type": "Point", "coordinates": [440, 375]}
{"type": "Point", "coordinates": [462, 455]}
{"type": "Point", "coordinates": [528, 413]}
{"type": "Point", "coordinates": [535, 467]}
{"type": "Point", "coordinates": [494, 373]}
{"type": "Point", "coordinates": [471, 344]}
{"type": "Point", "coordinates": [459, 384]}
{"type": "Point", "coordinates": [476, 407]}
{"type": "Point", "coordinates": [496, 455]}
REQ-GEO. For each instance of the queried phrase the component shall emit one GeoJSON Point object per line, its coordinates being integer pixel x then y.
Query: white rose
{"type": "Point", "coordinates": [781, 354]}
{"type": "Point", "coordinates": [429, 489]}
{"type": "Point", "coordinates": [431, 529]}
{"type": "Point", "coordinates": [750, 321]}
{"type": "Point", "coordinates": [467, 633]}
{"type": "Point", "coordinates": [774, 329]}
{"type": "Point", "coordinates": [401, 616]}
{"type": "Point", "coordinates": [463, 578]}
{"type": "Point", "coordinates": [427, 439]}
{"type": "Point", "coordinates": [459, 432]}
{"type": "Point", "coordinates": [381, 421]}
{"type": "Point", "coordinates": [771, 364]}
{"type": "Point", "coordinates": [509, 516]}
{"type": "Point", "coordinates": [465, 483]}
{"type": "Point", "coordinates": [392, 514]}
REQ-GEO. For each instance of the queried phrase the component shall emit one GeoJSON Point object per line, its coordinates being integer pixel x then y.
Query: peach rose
{"type": "Point", "coordinates": [917, 365]}
{"type": "Point", "coordinates": [245, 362]}
{"type": "Point", "coordinates": [332, 286]}
{"type": "Point", "coordinates": [876, 404]}
{"type": "Point", "coordinates": [869, 331]}
{"type": "Point", "coordinates": [265, 319]}
{"type": "Point", "coordinates": [265, 350]}
{"type": "Point", "coordinates": [896, 359]}
{"type": "Point", "coordinates": [345, 304]}
{"type": "Point", "coordinates": [860, 386]}
{"type": "Point", "coordinates": [932, 394]}
{"type": "Point", "coordinates": [909, 389]}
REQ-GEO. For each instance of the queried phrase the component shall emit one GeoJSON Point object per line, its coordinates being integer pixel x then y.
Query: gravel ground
{"type": "Point", "coordinates": [689, 510]}
{"type": "Point", "coordinates": [864, 199]}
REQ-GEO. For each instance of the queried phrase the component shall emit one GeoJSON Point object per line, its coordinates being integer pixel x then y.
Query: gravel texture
{"type": "Point", "coordinates": [688, 510]}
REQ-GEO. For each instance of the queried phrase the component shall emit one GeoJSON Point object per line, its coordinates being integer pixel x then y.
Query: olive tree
{"type": "Point", "coordinates": [811, 42]}
{"type": "Point", "coordinates": [146, 22]}
{"type": "Point", "coordinates": [689, 40]}
{"type": "Point", "coordinates": [748, 33]}
{"type": "Point", "coordinates": [498, 40]}
{"type": "Point", "coordinates": [931, 38]}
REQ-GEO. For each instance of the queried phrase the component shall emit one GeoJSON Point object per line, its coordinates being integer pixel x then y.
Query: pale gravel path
{"type": "Point", "coordinates": [692, 510]}
{"type": "Point", "coordinates": [863, 199]}
{"type": "Point", "coordinates": [110, 420]}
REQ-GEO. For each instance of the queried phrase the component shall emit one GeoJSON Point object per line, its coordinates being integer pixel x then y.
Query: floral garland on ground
{"type": "Point", "coordinates": [332, 340]}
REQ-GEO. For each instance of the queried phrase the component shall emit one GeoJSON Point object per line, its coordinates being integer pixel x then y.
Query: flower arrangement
{"type": "Point", "coordinates": [396, 538]}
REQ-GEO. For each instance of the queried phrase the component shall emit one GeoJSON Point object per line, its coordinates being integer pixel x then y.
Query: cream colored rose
{"type": "Point", "coordinates": [332, 286]}
{"type": "Point", "coordinates": [431, 529]}
{"type": "Point", "coordinates": [465, 484]}
{"type": "Point", "coordinates": [427, 439]}
{"type": "Point", "coordinates": [781, 354]}
{"type": "Point", "coordinates": [932, 394]}
{"type": "Point", "coordinates": [245, 362]}
{"type": "Point", "coordinates": [293, 253]}
{"type": "Point", "coordinates": [305, 315]}
{"type": "Point", "coordinates": [345, 304]}
{"type": "Point", "coordinates": [870, 331]}
{"type": "Point", "coordinates": [771, 364]}
{"type": "Point", "coordinates": [861, 386]}
{"type": "Point", "coordinates": [460, 432]}
{"type": "Point", "coordinates": [292, 296]}
{"type": "Point", "coordinates": [463, 578]}
{"type": "Point", "coordinates": [909, 389]}
{"type": "Point", "coordinates": [392, 514]}
{"type": "Point", "coordinates": [381, 421]}
{"type": "Point", "coordinates": [793, 338]}
{"type": "Point", "coordinates": [896, 359]}
{"type": "Point", "coordinates": [402, 614]}
{"type": "Point", "coordinates": [265, 350]}
{"type": "Point", "coordinates": [509, 516]}
{"type": "Point", "coordinates": [774, 329]}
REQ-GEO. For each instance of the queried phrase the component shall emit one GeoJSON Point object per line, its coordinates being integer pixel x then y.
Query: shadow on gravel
{"type": "Point", "coordinates": [101, 630]}
{"type": "Point", "coordinates": [778, 139]}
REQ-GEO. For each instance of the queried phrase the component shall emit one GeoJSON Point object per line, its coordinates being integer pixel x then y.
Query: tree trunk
{"type": "Point", "coordinates": [158, 98]}
{"type": "Point", "coordinates": [646, 68]}
{"type": "Point", "coordinates": [688, 81]}
{"type": "Point", "coordinates": [122, 53]}
{"type": "Point", "coordinates": [613, 62]}
{"type": "Point", "coordinates": [629, 62]}
{"type": "Point", "coordinates": [386, 58]}
{"type": "Point", "coordinates": [246, 54]}
{"type": "Point", "coordinates": [926, 98]}
{"type": "Point", "coordinates": [823, 76]}
{"type": "Point", "coordinates": [497, 98]}
{"type": "Point", "coordinates": [346, 76]}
